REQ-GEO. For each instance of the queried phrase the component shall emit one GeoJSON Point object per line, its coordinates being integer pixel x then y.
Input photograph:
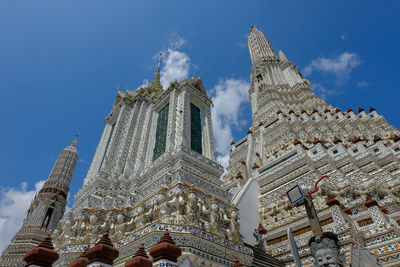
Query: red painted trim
{"type": "Point", "coordinates": [316, 184]}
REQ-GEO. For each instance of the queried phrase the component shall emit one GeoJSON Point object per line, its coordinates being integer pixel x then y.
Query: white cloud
{"type": "Point", "coordinates": [145, 83]}
{"type": "Point", "coordinates": [243, 43]}
{"type": "Point", "coordinates": [321, 91]}
{"type": "Point", "coordinates": [340, 66]}
{"type": "Point", "coordinates": [175, 41]}
{"type": "Point", "coordinates": [176, 66]}
{"type": "Point", "coordinates": [14, 203]}
{"type": "Point", "coordinates": [230, 95]}
{"type": "Point", "coordinates": [362, 84]}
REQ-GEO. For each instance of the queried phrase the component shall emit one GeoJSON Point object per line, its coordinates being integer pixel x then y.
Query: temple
{"type": "Point", "coordinates": [153, 195]}
{"type": "Point", "coordinates": [155, 169]}
{"type": "Point", "coordinates": [45, 211]}
{"type": "Point", "coordinates": [295, 139]}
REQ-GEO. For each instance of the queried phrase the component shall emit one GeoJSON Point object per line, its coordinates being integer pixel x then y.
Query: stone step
{"type": "Point", "coordinates": [262, 259]}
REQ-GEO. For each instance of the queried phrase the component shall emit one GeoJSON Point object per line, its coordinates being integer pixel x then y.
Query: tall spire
{"type": "Point", "coordinates": [156, 81]}
{"type": "Point", "coordinates": [155, 88]}
{"type": "Point", "coordinates": [45, 211]}
{"type": "Point", "coordinates": [259, 47]}
{"type": "Point", "coordinates": [61, 174]}
{"type": "Point", "coordinates": [270, 74]}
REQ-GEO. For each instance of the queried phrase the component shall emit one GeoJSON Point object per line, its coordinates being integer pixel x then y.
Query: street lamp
{"type": "Point", "coordinates": [299, 196]}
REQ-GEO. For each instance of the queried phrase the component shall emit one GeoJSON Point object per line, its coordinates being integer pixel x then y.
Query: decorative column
{"type": "Point", "coordinates": [140, 259]}
{"type": "Point", "coordinates": [102, 254]}
{"type": "Point", "coordinates": [81, 261]}
{"type": "Point", "coordinates": [165, 253]}
{"type": "Point", "coordinates": [43, 255]}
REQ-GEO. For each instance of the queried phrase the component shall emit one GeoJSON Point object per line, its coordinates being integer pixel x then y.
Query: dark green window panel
{"type": "Point", "coordinates": [161, 132]}
{"type": "Point", "coordinates": [195, 129]}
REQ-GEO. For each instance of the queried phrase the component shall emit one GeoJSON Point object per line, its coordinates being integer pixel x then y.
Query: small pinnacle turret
{"type": "Point", "coordinates": [45, 211]}
{"type": "Point", "coordinates": [282, 56]}
{"type": "Point", "coordinates": [156, 83]}
{"type": "Point", "coordinates": [61, 174]}
{"type": "Point", "coordinates": [276, 83]}
{"type": "Point", "coordinates": [259, 47]}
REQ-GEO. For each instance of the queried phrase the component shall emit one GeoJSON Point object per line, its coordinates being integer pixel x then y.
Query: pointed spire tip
{"type": "Point", "coordinates": [75, 140]}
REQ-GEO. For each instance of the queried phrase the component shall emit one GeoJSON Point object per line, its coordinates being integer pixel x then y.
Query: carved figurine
{"type": "Point", "coordinates": [358, 190]}
{"type": "Point", "coordinates": [214, 217]}
{"type": "Point", "coordinates": [283, 209]}
{"type": "Point", "coordinates": [192, 207]}
{"type": "Point", "coordinates": [319, 200]}
{"type": "Point", "coordinates": [140, 215]}
{"type": "Point", "coordinates": [106, 226]}
{"type": "Point", "coordinates": [331, 191]}
{"type": "Point", "coordinates": [326, 250]}
{"type": "Point", "coordinates": [56, 236]}
{"type": "Point", "coordinates": [233, 225]}
{"type": "Point", "coordinates": [270, 213]}
{"type": "Point", "coordinates": [120, 227]}
{"type": "Point", "coordinates": [130, 225]}
{"type": "Point", "coordinates": [177, 204]}
{"type": "Point", "coordinates": [161, 207]}
{"type": "Point", "coordinates": [93, 228]}
{"type": "Point", "coordinates": [384, 190]}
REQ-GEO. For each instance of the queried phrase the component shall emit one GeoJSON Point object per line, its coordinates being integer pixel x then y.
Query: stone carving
{"type": "Point", "coordinates": [177, 204]}
{"type": "Point", "coordinates": [326, 250]}
{"type": "Point", "coordinates": [162, 208]}
{"type": "Point", "coordinates": [359, 190]}
{"type": "Point", "coordinates": [233, 225]}
{"type": "Point", "coordinates": [214, 217]}
{"type": "Point", "coordinates": [192, 210]}
{"type": "Point", "coordinates": [120, 227]}
{"type": "Point", "coordinates": [332, 191]}
{"type": "Point", "coordinates": [140, 216]}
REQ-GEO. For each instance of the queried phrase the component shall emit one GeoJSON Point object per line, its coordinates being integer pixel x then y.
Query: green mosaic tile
{"type": "Point", "coordinates": [195, 129]}
{"type": "Point", "coordinates": [161, 132]}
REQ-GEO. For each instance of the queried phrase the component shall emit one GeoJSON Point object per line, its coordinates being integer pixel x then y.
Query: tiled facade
{"type": "Point", "coordinates": [296, 138]}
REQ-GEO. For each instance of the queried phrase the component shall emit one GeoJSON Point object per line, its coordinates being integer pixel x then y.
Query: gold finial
{"type": "Point", "coordinates": [201, 74]}
{"type": "Point", "coordinates": [194, 74]}
{"type": "Point", "coordinates": [118, 88]}
{"type": "Point", "coordinates": [75, 140]}
{"type": "Point", "coordinates": [252, 28]}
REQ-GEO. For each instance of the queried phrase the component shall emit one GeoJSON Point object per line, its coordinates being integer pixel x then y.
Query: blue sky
{"type": "Point", "coordinates": [61, 61]}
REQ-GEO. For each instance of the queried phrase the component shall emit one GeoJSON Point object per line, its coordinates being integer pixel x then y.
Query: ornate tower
{"type": "Point", "coordinates": [276, 83]}
{"type": "Point", "coordinates": [154, 169]}
{"type": "Point", "coordinates": [296, 138]}
{"type": "Point", "coordinates": [46, 209]}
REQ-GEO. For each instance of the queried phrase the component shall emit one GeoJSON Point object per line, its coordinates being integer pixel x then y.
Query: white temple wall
{"type": "Point", "coordinates": [248, 205]}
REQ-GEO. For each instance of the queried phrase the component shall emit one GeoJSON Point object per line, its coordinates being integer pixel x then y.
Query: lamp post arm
{"type": "Point", "coordinates": [312, 216]}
